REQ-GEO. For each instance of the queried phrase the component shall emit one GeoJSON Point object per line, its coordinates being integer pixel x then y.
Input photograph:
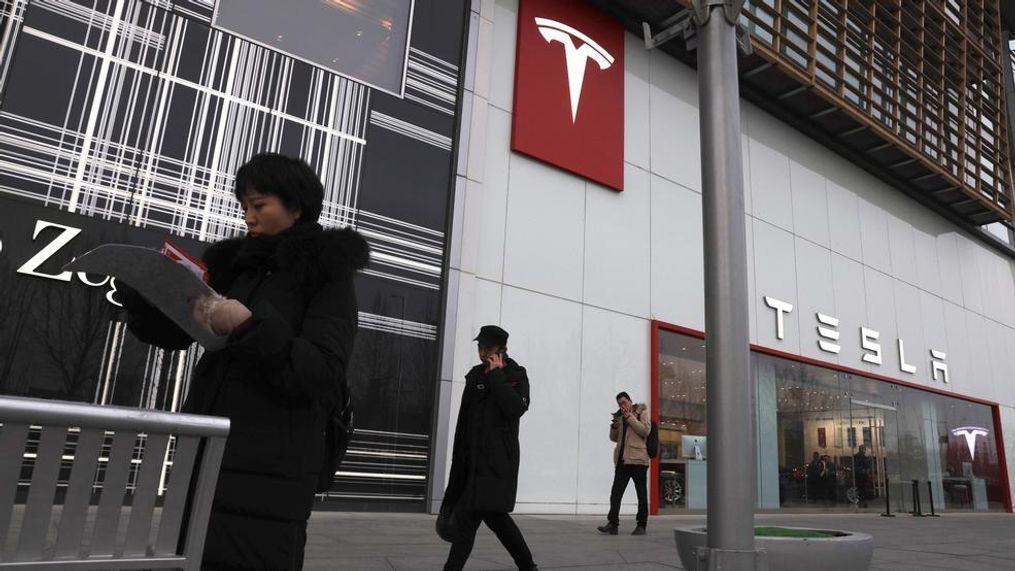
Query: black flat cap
{"type": "Point", "coordinates": [491, 336]}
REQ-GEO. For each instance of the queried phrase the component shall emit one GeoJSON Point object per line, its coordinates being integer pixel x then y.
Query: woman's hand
{"type": "Point", "coordinates": [496, 361]}
{"type": "Point", "coordinates": [219, 314]}
{"type": "Point", "coordinates": [228, 315]}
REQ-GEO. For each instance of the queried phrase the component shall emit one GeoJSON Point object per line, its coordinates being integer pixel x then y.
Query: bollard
{"type": "Point", "coordinates": [930, 495]}
{"type": "Point", "coordinates": [917, 510]}
{"type": "Point", "coordinates": [888, 501]}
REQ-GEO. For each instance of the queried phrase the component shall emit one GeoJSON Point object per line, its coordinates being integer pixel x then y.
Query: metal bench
{"type": "Point", "coordinates": [133, 483]}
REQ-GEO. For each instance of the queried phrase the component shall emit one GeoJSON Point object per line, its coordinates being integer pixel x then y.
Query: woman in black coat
{"type": "Point", "coordinates": [289, 308]}
{"type": "Point", "coordinates": [483, 481]}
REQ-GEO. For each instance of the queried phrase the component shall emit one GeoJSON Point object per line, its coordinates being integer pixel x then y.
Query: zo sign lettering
{"type": "Point", "coordinates": [53, 251]}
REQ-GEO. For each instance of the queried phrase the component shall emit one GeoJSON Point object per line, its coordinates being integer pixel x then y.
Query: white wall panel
{"type": "Point", "coordinates": [881, 318]}
{"type": "Point", "coordinates": [1005, 377]}
{"type": "Point", "coordinates": [745, 152]}
{"type": "Point", "coordinates": [928, 271]}
{"type": "Point", "coordinates": [753, 298]}
{"type": "Point", "coordinates": [678, 271]}
{"type": "Point", "coordinates": [1008, 428]}
{"type": "Point", "coordinates": [909, 318]}
{"type": "Point", "coordinates": [545, 236]}
{"type": "Point", "coordinates": [960, 361]}
{"type": "Point", "coordinates": [472, 200]}
{"type": "Point", "coordinates": [850, 309]}
{"type": "Point", "coordinates": [969, 270]}
{"type": "Point", "coordinates": [935, 336]}
{"type": "Point", "coordinates": [505, 38]}
{"type": "Point", "coordinates": [775, 274]}
{"type": "Point", "coordinates": [999, 347]}
{"type": "Point", "coordinates": [477, 138]}
{"type": "Point", "coordinates": [637, 111]}
{"type": "Point", "coordinates": [815, 294]}
{"type": "Point", "coordinates": [479, 303]}
{"type": "Point", "coordinates": [999, 288]}
{"type": "Point", "coordinates": [902, 250]}
{"type": "Point", "coordinates": [771, 187]}
{"type": "Point", "coordinates": [874, 237]}
{"type": "Point", "coordinates": [675, 147]}
{"type": "Point", "coordinates": [546, 340]}
{"type": "Point", "coordinates": [810, 204]}
{"type": "Point", "coordinates": [979, 381]}
{"type": "Point", "coordinates": [843, 209]}
{"type": "Point", "coordinates": [484, 58]}
{"type": "Point", "coordinates": [617, 245]}
{"type": "Point", "coordinates": [492, 216]}
{"type": "Point", "coordinates": [949, 267]}
{"type": "Point", "coordinates": [615, 357]}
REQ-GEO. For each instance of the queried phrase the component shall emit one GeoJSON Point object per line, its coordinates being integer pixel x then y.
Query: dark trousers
{"type": "Point", "coordinates": [501, 525]}
{"type": "Point", "coordinates": [621, 475]}
{"type": "Point", "coordinates": [237, 542]}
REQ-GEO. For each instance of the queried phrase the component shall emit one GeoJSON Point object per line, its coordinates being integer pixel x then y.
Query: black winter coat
{"type": "Point", "coordinates": [484, 462]}
{"type": "Point", "coordinates": [277, 378]}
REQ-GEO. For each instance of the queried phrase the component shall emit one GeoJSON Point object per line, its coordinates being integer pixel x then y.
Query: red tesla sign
{"type": "Point", "coordinates": [569, 89]}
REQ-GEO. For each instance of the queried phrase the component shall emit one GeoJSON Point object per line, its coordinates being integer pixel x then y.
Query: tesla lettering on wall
{"type": "Point", "coordinates": [870, 341]}
{"type": "Point", "coordinates": [569, 89]}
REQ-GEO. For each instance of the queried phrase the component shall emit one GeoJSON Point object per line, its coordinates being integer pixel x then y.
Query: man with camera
{"type": "Point", "coordinates": [484, 461]}
{"type": "Point", "coordinates": [629, 429]}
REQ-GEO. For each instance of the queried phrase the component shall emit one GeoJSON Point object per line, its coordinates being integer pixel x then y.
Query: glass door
{"type": "Point", "coordinates": [873, 436]}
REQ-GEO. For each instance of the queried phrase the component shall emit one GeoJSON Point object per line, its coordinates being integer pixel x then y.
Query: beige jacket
{"type": "Point", "coordinates": [638, 426]}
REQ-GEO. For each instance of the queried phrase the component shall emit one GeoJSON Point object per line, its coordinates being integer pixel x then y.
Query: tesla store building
{"type": "Point", "coordinates": [880, 260]}
{"type": "Point", "coordinates": [531, 163]}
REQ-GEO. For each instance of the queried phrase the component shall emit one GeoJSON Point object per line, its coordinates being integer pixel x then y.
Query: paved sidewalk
{"type": "Point", "coordinates": [362, 541]}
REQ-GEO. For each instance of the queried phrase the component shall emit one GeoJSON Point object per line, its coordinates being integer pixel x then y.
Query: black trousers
{"type": "Point", "coordinates": [237, 542]}
{"type": "Point", "coordinates": [501, 525]}
{"type": "Point", "coordinates": [621, 475]}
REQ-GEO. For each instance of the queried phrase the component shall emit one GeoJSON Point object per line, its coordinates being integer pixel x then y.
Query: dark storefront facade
{"type": "Point", "coordinates": [124, 121]}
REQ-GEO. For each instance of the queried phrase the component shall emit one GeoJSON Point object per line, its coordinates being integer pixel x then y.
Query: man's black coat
{"type": "Point", "coordinates": [277, 378]}
{"type": "Point", "coordinates": [484, 465]}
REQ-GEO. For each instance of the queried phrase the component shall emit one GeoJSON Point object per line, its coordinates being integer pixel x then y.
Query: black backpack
{"type": "Point", "coordinates": [338, 432]}
{"type": "Point", "coordinates": [652, 440]}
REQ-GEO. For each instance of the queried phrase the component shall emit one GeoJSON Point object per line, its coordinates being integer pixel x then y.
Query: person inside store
{"type": "Point", "coordinates": [629, 429]}
{"type": "Point", "coordinates": [862, 473]}
{"type": "Point", "coordinates": [484, 460]}
{"type": "Point", "coordinates": [829, 480]}
{"type": "Point", "coordinates": [287, 304]}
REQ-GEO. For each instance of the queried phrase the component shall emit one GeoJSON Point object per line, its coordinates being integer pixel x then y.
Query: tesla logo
{"type": "Point", "coordinates": [550, 90]}
{"type": "Point", "coordinates": [575, 55]}
{"type": "Point", "coordinates": [970, 433]}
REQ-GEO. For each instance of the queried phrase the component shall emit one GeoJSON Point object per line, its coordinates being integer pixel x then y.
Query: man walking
{"type": "Point", "coordinates": [484, 461]}
{"type": "Point", "coordinates": [629, 429]}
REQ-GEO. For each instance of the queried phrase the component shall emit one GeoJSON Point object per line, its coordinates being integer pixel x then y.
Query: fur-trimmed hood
{"type": "Point", "coordinates": [314, 255]}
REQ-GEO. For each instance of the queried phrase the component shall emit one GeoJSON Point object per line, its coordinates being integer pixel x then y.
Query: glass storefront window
{"type": "Point", "coordinates": [681, 418]}
{"type": "Point", "coordinates": [830, 439]}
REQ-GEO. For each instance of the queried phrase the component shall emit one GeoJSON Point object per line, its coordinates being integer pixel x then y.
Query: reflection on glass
{"type": "Point", "coordinates": [832, 440]}
{"type": "Point", "coordinates": [681, 411]}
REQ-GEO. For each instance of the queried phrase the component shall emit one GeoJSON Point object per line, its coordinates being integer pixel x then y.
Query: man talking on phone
{"type": "Point", "coordinates": [484, 461]}
{"type": "Point", "coordinates": [629, 429]}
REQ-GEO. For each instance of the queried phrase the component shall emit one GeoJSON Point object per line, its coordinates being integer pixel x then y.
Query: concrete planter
{"type": "Point", "coordinates": [849, 551]}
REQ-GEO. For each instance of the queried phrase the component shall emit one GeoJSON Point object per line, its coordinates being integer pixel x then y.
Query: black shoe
{"type": "Point", "coordinates": [609, 528]}
{"type": "Point", "coordinates": [640, 530]}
